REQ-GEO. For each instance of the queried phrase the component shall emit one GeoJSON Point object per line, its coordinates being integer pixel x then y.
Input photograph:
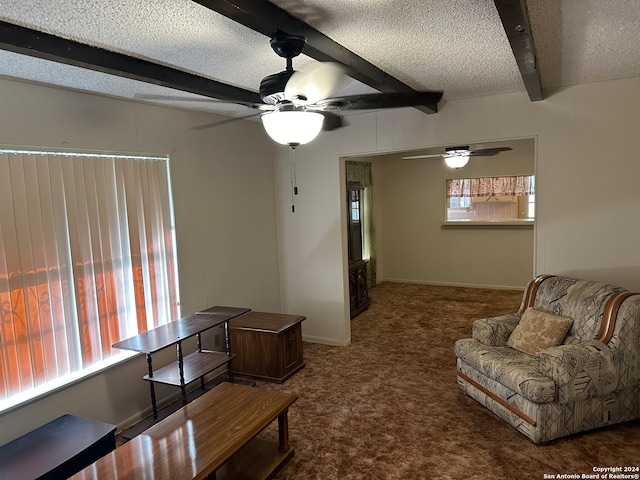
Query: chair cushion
{"type": "Point", "coordinates": [538, 330]}
{"type": "Point", "coordinates": [518, 371]}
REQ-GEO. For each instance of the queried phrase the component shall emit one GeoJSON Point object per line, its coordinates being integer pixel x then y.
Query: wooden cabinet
{"type": "Point", "coordinates": [267, 346]}
{"type": "Point", "coordinates": [359, 299]}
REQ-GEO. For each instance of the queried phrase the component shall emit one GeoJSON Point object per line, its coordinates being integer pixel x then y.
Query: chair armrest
{"type": "Point", "coordinates": [495, 331]}
{"type": "Point", "coordinates": [580, 371]}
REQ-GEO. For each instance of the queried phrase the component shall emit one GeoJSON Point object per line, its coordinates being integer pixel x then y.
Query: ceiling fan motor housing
{"type": "Point", "coordinates": [287, 46]}
{"type": "Point", "coordinates": [272, 87]}
{"type": "Point", "coordinates": [461, 150]}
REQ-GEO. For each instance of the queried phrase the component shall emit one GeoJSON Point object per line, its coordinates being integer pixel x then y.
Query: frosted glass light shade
{"type": "Point", "coordinates": [293, 127]}
{"type": "Point", "coordinates": [457, 161]}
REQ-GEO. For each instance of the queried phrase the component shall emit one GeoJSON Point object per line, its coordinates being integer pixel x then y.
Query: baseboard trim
{"type": "Point", "coordinates": [325, 341]}
{"type": "Point", "coordinates": [502, 402]}
{"type": "Point", "coordinates": [147, 411]}
{"type": "Point", "coordinates": [167, 400]}
{"type": "Point", "coordinates": [451, 284]}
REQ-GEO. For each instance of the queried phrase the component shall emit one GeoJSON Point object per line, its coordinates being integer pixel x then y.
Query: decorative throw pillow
{"type": "Point", "coordinates": [538, 331]}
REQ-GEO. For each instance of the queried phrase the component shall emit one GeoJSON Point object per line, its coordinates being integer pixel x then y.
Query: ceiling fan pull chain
{"type": "Point", "coordinates": [294, 183]}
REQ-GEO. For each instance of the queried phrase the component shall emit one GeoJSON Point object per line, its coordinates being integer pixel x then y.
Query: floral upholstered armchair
{"type": "Point", "coordinates": [566, 362]}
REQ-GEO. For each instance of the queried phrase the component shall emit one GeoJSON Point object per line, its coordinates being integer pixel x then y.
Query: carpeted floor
{"type": "Point", "coordinates": [388, 406]}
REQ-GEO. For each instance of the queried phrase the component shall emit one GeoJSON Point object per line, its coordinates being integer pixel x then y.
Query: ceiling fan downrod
{"type": "Point", "coordinates": [286, 46]}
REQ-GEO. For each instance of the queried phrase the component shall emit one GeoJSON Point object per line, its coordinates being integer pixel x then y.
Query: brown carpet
{"type": "Point", "coordinates": [388, 406]}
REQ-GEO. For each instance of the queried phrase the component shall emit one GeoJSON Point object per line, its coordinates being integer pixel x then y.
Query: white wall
{"type": "Point", "coordinates": [224, 198]}
{"type": "Point", "coordinates": [414, 246]}
{"type": "Point", "coordinates": [587, 197]}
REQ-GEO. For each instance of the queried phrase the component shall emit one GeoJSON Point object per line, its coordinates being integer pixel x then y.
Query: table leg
{"type": "Point", "coordinates": [183, 387]}
{"type": "Point", "coordinates": [283, 432]}
{"type": "Point", "coordinates": [227, 343]}
{"type": "Point", "coordinates": [151, 387]}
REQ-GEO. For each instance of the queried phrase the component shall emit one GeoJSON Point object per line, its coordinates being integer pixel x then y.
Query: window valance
{"type": "Point", "coordinates": [359, 172]}
{"type": "Point", "coordinates": [491, 186]}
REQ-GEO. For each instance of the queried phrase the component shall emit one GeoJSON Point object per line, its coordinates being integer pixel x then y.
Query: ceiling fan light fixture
{"type": "Point", "coordinates": [456, 161]}
{"type": "Point", "coordinates": [295, 127]}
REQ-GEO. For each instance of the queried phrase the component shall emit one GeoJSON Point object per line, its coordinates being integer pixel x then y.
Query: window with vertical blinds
{"type": "Point", "coordinates": [87, 258]}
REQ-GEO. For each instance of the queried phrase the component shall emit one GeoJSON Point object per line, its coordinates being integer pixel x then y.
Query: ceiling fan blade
{"type": "Point", "coordinates": [417, 157]}
{"type": "Point", "coordinates": [223, 122]}
{"type": "Point", "coordinates": [177, 98]}
{"type": "Point", "coordinates": [332, 121]}
{"type": "Point", "coordinates": [460, 151]}
{"type": "Point", "coordinates": [309, 86]}
{"type": "Point", "coordinates": [378, 100]}
{"type": "Point", "coordinates": [489, 152]}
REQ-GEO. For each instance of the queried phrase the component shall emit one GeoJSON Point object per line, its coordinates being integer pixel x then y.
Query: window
{"type": "Point", "coordinates": [354, 226]}
{"type": "Point", "coordinates": [531, 200]}
{"type": "Point", "coordinates": [355, 205]}
{"type": "Point", "coordinates": [459, 202]}
{"type": "Point", "coordinates": [87, 258]}
{"type": "Point", "coordinates": [493, 199]}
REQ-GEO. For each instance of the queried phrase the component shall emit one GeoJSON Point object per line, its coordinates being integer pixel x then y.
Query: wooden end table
{"type": "Point", "coordinates": [267, 346]}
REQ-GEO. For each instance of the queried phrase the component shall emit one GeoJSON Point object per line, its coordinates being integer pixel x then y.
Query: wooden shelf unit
{"type": "Point", "coordinates": [194, 366]}
{"type": "Point", "coordinates": [189, 368]}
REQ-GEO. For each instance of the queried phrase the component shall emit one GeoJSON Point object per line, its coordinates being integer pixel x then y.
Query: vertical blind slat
{"type": "Point", "coordinates": [86, 259]}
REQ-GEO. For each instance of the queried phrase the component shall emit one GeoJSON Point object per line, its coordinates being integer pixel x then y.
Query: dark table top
{"type": "Point", "coordinates": [174, 332]}
{"type": "Point", "coordinates": [50, 446]}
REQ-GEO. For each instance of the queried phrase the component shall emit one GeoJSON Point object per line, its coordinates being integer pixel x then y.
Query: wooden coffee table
{"type": "Point", "coordinates": [214, 436]}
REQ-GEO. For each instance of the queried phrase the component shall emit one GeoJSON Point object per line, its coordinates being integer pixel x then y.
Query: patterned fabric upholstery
{"type": "Point", "coordinates": [580, 371]}
{"type": "Point", "coordinates": [625, 342]}
{"type": "Point", "coordinates": [579, 299]}
{"type": "Point", "coordinates": [495, 331]}
{"type": "Point", "coordinates": [515, 370]}
{"type": "Point", "coordinates": [592, 379]}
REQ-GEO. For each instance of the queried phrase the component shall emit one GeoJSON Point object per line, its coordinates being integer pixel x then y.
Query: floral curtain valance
{"type": "Point", "coordinates": [359, 172]}
{"type": "Point", "coordinates": [491, 186]}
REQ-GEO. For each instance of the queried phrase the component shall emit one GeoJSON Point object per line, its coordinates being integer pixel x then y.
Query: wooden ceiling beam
{"type": "Point", "coordinates": [515, 20]}
{"type": "Point", "coordinates": [264, 17]}
{"type": "Point", "coordinates": [25, 41]}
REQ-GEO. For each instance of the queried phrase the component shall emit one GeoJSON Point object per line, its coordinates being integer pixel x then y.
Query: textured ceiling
{"type": "Point", "coordinates": [458, 46]}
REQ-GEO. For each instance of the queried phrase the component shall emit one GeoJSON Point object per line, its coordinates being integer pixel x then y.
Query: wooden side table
{"type": "Point", "coordinates": [267, 346]}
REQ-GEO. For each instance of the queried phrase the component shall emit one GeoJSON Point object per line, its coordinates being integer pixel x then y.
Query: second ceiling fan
{"type": "Point", "coordinates": [457, 157]}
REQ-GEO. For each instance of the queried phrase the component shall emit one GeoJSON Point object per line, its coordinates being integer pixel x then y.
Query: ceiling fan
{"type": "Point", "coordinates": [297, 104]}
{"type": "Point", "coordinates": [457, 157]}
